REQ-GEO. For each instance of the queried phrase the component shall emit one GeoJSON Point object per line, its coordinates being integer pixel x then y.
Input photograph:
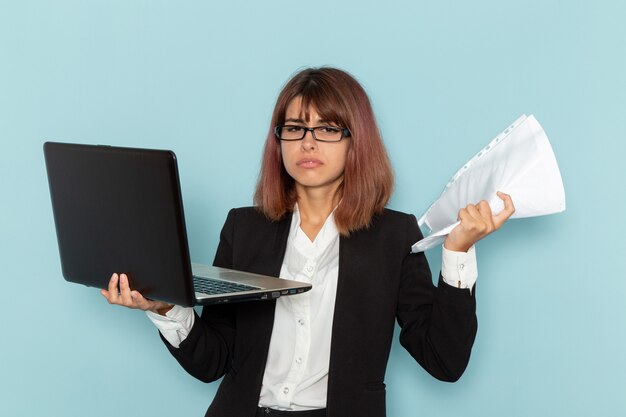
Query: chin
{"type": "Point", "coordinates": [318, 183]}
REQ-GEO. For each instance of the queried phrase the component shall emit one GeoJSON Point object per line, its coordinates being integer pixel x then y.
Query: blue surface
{"type": "Point", "coordinates": [201, 78]}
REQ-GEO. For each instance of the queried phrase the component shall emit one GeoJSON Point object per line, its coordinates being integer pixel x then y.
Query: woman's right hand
{"type": "Point", "coordinates": [119, 293]}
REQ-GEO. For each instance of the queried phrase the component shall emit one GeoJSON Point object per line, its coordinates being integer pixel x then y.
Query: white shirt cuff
{"type": "Point", "coordinates": [175, 325]}
{"type": "Point", "coordinates": [459, 269]}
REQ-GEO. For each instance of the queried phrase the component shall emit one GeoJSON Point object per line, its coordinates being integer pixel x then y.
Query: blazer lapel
{"type": "Point", "coordinates": [340, 357]}
{"type": "Point", "coordinates": [256, 319]}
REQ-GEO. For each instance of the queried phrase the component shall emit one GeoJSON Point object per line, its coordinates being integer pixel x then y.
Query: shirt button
{"type": "Point", "coordinates": [285, 390]}
{"type": "Point", "coordinates": [299, 361]}
{"type": "Point", "coordinates": [301, 322]}
{"type": "Point", "coordinates": [461, 267]}
{"type": "Point", "coordinates": [309, 269]}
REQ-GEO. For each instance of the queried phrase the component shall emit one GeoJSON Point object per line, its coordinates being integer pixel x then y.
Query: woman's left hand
{"type": "Point", "coordinates": [476, 223]}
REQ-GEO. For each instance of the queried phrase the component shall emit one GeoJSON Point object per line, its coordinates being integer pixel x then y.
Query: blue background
{"type": "Point", "coordinates": [201, 78]}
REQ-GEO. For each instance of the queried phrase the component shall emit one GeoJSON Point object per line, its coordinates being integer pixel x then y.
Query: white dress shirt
{"type": "Point", "coordinates": [296, 373]}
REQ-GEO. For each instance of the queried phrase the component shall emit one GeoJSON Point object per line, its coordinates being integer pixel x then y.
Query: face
{"type": "Point", "coordinates": [312, 164]}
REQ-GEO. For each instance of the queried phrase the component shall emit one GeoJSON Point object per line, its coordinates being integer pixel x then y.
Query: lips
{"type": "Point", "coordinates": [309, 163]}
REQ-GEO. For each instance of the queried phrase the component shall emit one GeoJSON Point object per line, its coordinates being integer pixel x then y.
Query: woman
{"type": "Point", "coordinates": [320, 217]}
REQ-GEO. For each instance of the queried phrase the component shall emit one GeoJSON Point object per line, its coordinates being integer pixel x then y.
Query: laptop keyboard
{"type": "Point", "coordinates": [215, 286]}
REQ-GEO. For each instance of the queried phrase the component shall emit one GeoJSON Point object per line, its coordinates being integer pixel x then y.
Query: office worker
{"type": "Point", "coordinates": [319, 215]}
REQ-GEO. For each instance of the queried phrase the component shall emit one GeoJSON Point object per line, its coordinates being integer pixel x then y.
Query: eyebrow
{"type": "Point", "coordinates": [294, 120]}
{"type": "Point", "coordinates": [299, 120]}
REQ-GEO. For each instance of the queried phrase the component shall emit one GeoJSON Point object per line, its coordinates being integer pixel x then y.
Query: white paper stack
{"type": "Point", "coordinates": [519, 162]}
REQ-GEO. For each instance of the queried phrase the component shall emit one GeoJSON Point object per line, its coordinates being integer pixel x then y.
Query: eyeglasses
{"type": "Point", "coordinates": [320, 133]}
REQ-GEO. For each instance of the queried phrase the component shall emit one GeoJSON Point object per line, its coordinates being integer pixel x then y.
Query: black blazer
{"type": "Point", "coordinates": [379, 281]}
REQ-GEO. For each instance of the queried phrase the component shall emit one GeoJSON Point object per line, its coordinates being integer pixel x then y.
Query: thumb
{"type": "Point", "coordinates": [506, 212]}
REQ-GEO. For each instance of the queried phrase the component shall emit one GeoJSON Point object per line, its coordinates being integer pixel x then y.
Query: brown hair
{"type": "Point", "coordinates": [368, 178]}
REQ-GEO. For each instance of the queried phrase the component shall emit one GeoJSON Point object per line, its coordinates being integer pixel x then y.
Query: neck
{"type": "Point", "coordinates": [315, 205]}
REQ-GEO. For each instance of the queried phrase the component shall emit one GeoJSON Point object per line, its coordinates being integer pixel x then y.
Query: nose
{"type": "Point", "coordinates": [308, 141]}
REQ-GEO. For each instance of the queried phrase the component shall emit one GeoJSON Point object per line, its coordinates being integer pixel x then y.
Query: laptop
{"type": "Point", "coordinates": [121, 210]}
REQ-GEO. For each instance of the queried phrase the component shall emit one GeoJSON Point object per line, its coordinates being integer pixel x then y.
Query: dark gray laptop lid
{"type": "Point", "coordinates": [113, 213]}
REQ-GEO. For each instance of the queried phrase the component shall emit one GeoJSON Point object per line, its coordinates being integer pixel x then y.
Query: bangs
{"type": "Point", "coordinates": [324, 99]}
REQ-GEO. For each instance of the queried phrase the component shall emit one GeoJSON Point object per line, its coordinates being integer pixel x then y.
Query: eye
{"type": "Point", "coordinates": [293, 129]}
{"type": "Point", "coordinates": [330, 129]}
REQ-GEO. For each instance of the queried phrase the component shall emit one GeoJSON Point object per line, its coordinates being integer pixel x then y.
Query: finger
{"type": "Point", "coordinates": [464, 216]}
{"type": "Point", "coordinates": [478, 222]}
{"type": "Point", "coordinates": [127, 299]}
{"type": "Point", "coordinates": [481, 224]}
{"type": "Point", "coordinates": [113, 291]}
{"type": "Point", "coordinates": [508, 201]}
{"type": "Point", "coordinates": [140, 301]}
{"type": "Point", "coordinates": [473, 211]}
{"type": "Point", "coordinates": [486, 214]}
{"type": "Point", "coordinates": [484, 209]}
{"type": "Point", "coordinates": [470, 219]}
{"type": "Point", "coordinates": [509, 209]}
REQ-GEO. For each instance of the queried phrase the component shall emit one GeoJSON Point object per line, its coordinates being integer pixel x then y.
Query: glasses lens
{"type": "Point", "coordinates": [290, 132]}
{"type": "Point", "coordinates": [328, 133]}
{"type": "Point", "coordinates": [324, 133]}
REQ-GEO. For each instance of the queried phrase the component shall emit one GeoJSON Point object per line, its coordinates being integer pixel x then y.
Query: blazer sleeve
{"type": "Point", "coordinates": [207, 351]}
{"type": "Point", "coordinates": [438, 323]}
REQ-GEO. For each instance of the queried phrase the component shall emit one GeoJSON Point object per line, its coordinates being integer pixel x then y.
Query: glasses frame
{"type": "Point", "coordinates": [345, 133]}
